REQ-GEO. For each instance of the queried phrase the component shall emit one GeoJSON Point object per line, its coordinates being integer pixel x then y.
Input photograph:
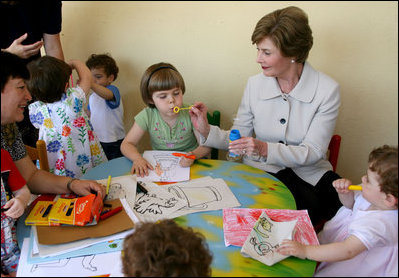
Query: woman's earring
{"type": "Point", "coordinates": [292, 61]}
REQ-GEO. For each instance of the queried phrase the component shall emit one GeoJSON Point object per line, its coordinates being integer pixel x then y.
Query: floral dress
{"type": "Point", "coordinates": [72, 146]}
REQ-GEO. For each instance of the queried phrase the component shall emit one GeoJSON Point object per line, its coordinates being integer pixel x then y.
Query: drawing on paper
{"type": "Point", "coordinates": [165, 166]}
{"type": "Point", "coordinates": [116, 191]}
{"type": "Point", "coordinates": [196, 197]}
{"type": "Point", "coordinates": [262, 230]}
{"type": "Point", "coordinates": [86, 263]}
{"type": "Point", "coordinates": [151, 203]}
{"type": "Point", "coordinates": [262, 247]}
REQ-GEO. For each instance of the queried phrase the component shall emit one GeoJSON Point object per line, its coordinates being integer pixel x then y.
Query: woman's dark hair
{"type": "Point", "coordinates": [160, 77]}
{"type": "Point", "coordinates": [289, 30]}
{"type": "Point", "coordinates": [165, 249]}
{"type": "Point", "coordinates": [104, 61]}
{"type": "Point", "coordinates": [49, 77]}
{"type": "Point", "coordinates": [11, 66]}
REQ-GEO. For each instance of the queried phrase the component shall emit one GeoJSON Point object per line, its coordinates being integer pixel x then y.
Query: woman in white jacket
{"type": "Point", "coordinates": [292, 108]}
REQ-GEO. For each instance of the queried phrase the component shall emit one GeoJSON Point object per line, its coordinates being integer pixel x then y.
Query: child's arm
{"type": "Point", "coordinates": [18, 204]}
{"type": "Point", "coordinates": [102, 91]}
{"type": "Point", "coordinates": [332, 252]}
{"type": "Point", "coordinates": [130, 151]}
{"type": "Point", "coordinates": [84, 74]}
{"type": "Point", "coordinates": [345, 195]}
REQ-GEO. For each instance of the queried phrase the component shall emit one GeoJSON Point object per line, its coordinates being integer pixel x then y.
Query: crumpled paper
{"type": "Point", "coordinates": [265, 237]}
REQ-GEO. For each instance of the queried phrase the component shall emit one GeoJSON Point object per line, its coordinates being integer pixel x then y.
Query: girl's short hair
{"type": "Point", "coordinates": [49, 77]}
{"type": "Point", "coordinates": [384, 161]}
{"type": "Point", "coordinates": [160, 77]}
{"type": "Point", "coordinates": [289, 30]}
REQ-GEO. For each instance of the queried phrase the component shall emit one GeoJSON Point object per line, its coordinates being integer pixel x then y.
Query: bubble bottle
{"type": "Point", "coordinates": [234, 135]}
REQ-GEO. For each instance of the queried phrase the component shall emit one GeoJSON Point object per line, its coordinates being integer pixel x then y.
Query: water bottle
{"type": "Point", "coordinates": [234, 135]}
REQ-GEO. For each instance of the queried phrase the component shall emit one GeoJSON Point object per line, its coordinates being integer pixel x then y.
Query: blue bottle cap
{"type": "Point", "coordinates": [234, 134]}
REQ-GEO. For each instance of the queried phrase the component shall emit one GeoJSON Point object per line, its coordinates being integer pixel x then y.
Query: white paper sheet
{"type": "Point", "coordinates": [92, 265]}
{"type": "Point", "coordinates": [122, 187]}
{"type": "Point", "coordinates": [265, 237]}
{"type": "Point", "coordinates": [157, 204]}
{"type": "Point", "coordinates": [202, 194]}
{"type": "Point", "coordinates": [166, 167]}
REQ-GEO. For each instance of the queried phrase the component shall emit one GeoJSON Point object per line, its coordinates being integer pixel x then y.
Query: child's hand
{"type": "Point", "coordinates": [292, 248]}
{"type": "Point", "coordinates": [140, 167]}
{"type": "Point", "coordinates": [15, 207]}
{"type": "Point", "coordinates": [341, 186]}
{"type": "Point", "coordinates": [186, 162]}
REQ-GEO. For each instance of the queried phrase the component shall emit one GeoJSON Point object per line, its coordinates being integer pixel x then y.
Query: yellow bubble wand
{"type": "Point", "coordinates": [177, 109]}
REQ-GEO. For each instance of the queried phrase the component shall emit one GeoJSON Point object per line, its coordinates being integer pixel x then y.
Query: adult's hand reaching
{"type": "Point", "coordinates": [24, 51]}
{"type": "Point", "coordinates": [198, 115]}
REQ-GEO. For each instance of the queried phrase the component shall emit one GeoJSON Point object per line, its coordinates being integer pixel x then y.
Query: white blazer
{"type": "Point", "coordinates": [297, 126]}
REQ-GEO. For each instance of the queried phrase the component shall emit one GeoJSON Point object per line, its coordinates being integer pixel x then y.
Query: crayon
{"type": "Point", "coordinates": [185, 155]}
{"type": "Point", "coordinates": [108, 183]}
{"type": "Point", "coordinates": [203, 164]}
{"type": "Point", "coordinates": [355, 187]}
{"type": "Point", "coordinates": [110, 213]}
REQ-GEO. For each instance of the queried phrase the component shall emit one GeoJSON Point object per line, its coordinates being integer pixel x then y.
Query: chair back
{"type": "Point", "coordinates": [39, 153]}
{"type": "Point", "coordinates": [214, 119]}
{"type": "Point", "coordinates": [333, 148]}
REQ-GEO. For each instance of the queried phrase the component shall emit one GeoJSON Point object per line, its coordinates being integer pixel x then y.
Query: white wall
{"type": "Point", "coordinates": [356, 43]}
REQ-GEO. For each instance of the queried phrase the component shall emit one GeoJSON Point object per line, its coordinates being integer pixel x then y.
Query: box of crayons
{"type": "Point", "coordinates": [80, 211]}
{"type": "Point", "coordinates": [39, 215]}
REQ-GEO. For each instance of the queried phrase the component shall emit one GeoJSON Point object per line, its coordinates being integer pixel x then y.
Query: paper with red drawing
{"type": "Point", "coordinates": [238, 223]}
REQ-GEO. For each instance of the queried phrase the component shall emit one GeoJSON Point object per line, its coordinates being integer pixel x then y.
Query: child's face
{"type": "Point", "coordinates": [371, 189]}
{"type": "Point", "coordinates": [101, 78]}
{"type": "Point", "coordinates": [164, 101]}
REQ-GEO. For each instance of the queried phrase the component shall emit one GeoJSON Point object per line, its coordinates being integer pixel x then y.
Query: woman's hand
{"type": "Point", "coordinates": [199, 118]}
{"type": "Point", "coordinates": [292, 248]}
{"type": "Point", "coordinates": [24, 51]}
{"type": "Point", "coordinates": [86, 187]}
{"type": "Point", "coordinates": [140, 167]}
{"type": "Point", "coordinates": [249, 146]}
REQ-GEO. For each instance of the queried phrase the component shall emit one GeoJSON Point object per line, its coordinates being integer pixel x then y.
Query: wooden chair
{"type": "Point", "coordinates": [333, 148]}
{"type": "Point", "coordinates": [39, 153]}
{"type": "Point", "coordinates": [214, 119]}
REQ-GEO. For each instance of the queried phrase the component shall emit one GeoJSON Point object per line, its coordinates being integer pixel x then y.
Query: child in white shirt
{"type": "Point", "coordinates": [105, 104]}
{"type": "Point", "coordinates": [362, 238]}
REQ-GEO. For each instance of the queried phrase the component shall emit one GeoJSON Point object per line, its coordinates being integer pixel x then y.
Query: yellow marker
{"type": "Point", "coordinates": [177, 109]}
{"type": "Point", "coordinates": [108, 183]}
{"type": "Point", "coordinates": [355, 187]}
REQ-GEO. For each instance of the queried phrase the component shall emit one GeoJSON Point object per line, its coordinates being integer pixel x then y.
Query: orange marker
{"type": "Point", "coordinates": [185, 155]}
{"type": "Point", "coordinates": [355, 187]}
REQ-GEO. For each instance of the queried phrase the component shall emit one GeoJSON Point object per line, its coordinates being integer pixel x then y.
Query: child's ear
{"type": "Point", "coordinates": [391, 201]}
{"type": "Point", "coordinates": [111, 78]}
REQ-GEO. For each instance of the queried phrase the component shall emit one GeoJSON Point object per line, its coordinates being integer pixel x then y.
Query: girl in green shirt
{"type": "Point", "coordinates": [162, 88]}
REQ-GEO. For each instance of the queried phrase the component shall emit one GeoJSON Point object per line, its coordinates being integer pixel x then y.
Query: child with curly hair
{"type": "Point", "coordinates": [72, 145]}
{"type": "Point", "coordinates": [105, 104]}
{"type": "Point", "coordinates": [362, 238]}
{"type": "Point", "coordinates": [164, 249]}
